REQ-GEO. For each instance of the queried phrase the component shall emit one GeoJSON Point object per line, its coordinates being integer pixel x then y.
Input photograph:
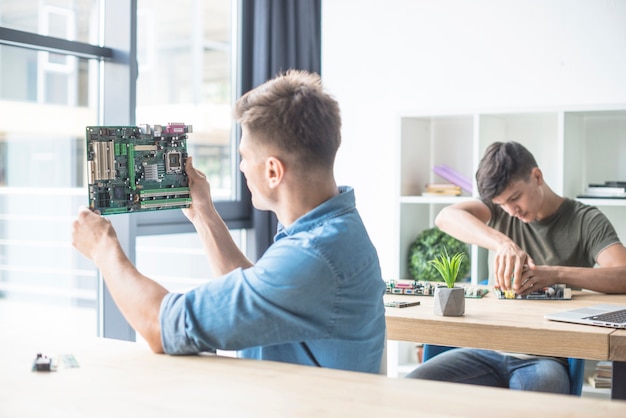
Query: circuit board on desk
{"type": "Point", "coordinates": [137, 168]}
{"type": "Point", "coordinates": [555, 292]}
{"type": "Point", "coordinates": [422, 288]}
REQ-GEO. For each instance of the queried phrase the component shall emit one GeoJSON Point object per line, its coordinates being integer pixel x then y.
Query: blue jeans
{"type": "Point", "coordinates": [490, 368]}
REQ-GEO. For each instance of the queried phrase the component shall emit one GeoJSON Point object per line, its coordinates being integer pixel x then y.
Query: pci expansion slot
{"type": "Point", "coordinates": [137, 168]}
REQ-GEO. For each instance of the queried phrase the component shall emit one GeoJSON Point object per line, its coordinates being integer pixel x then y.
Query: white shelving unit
{"type": "Point", "coordinates": [573, 148]}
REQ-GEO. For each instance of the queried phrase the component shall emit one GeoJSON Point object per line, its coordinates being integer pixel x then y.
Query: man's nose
{"type": "Point", "coordinates": [511, 209]}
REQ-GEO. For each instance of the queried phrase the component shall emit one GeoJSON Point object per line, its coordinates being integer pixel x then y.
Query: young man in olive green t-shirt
{"type": "Point", "coordinates": [538, 239]}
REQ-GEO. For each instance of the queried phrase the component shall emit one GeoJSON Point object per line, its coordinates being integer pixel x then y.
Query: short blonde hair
{"type": "Point", "coordinates": [294, 113]}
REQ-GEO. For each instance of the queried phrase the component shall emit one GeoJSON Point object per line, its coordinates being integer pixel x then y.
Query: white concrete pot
{"type": "Point", "coordinates": [449, 301]}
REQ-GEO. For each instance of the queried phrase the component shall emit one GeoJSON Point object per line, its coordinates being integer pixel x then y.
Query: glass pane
{"type": "Point", "coordinates": [74, 20]}
{"type": "Point", "coordinates": [18, 74]}
{"type": "Point", "coordinates": [42, 147]}
{"type": "Point", "coordinates": [176, 261]}
{"type": "Point", "coordinates": [40, 77]}
{"type": "Point", "coordinates": [184, 55]}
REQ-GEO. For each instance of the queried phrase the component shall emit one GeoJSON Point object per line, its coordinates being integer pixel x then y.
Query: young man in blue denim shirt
{"type": "Point", "coordinates": [315, 297]}
{"type": "Point", "coordinates": [539, 239]}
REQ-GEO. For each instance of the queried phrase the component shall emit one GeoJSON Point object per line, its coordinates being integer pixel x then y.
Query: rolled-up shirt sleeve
{"type": "Point", "coordinates": [253, 307]}
{"type": "Point", "coordinates": [173, 334]}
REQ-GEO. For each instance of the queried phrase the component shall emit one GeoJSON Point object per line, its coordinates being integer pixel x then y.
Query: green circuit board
{"type": "Point", "coordinates": [137, 168]}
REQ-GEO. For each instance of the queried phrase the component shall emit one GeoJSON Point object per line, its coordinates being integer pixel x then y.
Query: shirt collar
{"type": "Point", "coordinates": [335, 206]}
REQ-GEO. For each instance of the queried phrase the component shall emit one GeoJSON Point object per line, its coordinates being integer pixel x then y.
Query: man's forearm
{"type": "Point", "coordinates": [466, 227]}
{"type": "Point", "coordinates": [599, 279]}
{"type": "Point", "coordinates": [138, 297]}
{"type": "Point", "coordinates": [224, 255]}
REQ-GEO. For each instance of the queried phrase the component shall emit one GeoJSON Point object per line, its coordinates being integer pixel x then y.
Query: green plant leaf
{"type": "Point", "coordinates": [448, 267]}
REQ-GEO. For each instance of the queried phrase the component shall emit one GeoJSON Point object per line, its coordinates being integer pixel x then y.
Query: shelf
{"type": "Point", "coordinates": [591, 392]}
{"type": "Point", "coordinates": [603, 202]}
{"type": "Point", "coordinates": [435, 199]}
{"type": "Point", "coordinates": [425, 200]}
{"type": "Point", "coordinates": [573, 148]}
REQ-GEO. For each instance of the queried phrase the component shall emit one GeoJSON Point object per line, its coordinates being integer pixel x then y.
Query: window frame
{"type": "Point", "coordinates": [118, 72]}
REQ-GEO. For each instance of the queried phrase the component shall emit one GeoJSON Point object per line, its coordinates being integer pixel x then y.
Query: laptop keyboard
{"type": "Point", "coordinates": [616, 316]}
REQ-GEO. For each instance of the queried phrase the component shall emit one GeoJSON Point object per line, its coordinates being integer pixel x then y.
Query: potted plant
{"type": "Point", "coordinates": [449, 300]}
{"type": "Point", "coordinates": [428, 245]}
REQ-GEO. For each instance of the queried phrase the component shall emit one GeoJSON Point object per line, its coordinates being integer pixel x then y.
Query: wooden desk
{"type": "Point", "coordinates": [516, 326]}
{"type": "Point", "coordinates": [116, 378]}
{"type": "Point", "coordinates": [618, 351]}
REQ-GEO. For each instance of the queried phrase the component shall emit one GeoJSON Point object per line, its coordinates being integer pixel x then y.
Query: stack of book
{"type": "Point", "coordinates": [602, 376]}
{"type": "Point", "coordinates": [607, 190]}
{"type": "Point", "coordinates": [442, 189]}
{"type": "Point", "coordinates": [454, 177]}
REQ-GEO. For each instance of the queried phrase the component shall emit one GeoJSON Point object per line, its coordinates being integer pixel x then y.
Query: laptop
{"type": "Point", "coordinates": [604, 315]}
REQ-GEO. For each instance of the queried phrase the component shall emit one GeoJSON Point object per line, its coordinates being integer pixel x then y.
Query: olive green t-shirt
{"type": "Point", "coordinates": [573, 236]}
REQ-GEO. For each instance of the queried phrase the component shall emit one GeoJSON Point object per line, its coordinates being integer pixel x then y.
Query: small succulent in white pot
{"type": "Point", "coordinates": [449, 300]}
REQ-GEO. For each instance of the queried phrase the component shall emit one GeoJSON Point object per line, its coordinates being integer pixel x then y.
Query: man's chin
{"type": "Point", "coordinates": [256, 204]}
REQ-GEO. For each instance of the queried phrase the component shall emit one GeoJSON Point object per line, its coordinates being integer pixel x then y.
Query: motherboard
{"type": "Point", "coordinates": [557, 291]}
{"type": "Point", "coordinates": [137, 168]}
{"type": "Point", "coordinates": [425, 288]}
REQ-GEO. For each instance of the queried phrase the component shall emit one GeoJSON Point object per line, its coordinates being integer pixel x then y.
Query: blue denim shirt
{"type": "Point", "coordinates": [314, 298]}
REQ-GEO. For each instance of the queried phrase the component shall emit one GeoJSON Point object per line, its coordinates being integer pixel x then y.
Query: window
{"type": "Point", "coordinates": [46, 99]}
{"type": "Point", "coordinates": [55, 79]}
{"type": "Point", "coordinates": [185, 59]}
{"type": "Point", "coordinates": [185, 75]}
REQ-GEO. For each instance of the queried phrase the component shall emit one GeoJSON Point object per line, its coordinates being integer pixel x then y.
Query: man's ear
{"type": "Point", "coordinates": [537, 175]}
{"type": "Point", "coordinates": [274, 171]}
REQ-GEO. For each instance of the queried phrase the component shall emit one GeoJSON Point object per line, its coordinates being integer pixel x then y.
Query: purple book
{"type": "Point", "coordinates": [454, 177]}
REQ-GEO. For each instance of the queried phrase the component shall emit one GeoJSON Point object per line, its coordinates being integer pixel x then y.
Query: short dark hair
{"type": "Point", "coordinates": [502, 164]}
{"type": "Point", "coordinates": [294, 113]}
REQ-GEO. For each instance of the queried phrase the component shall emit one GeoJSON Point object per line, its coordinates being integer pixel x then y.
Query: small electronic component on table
{"type": "Point", "coordinates": [401, 304]}
{"type": "Point", "coordinates": [43, 364]}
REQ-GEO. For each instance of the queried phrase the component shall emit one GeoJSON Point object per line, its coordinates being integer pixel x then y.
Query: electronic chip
{"type": "Point", "coordinates": [137, 168]}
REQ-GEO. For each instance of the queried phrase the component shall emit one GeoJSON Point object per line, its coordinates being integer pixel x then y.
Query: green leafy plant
{"type": "Point", "coordinates": [448, 266]}
{"type": "Point", "coordinates": [427, 246]}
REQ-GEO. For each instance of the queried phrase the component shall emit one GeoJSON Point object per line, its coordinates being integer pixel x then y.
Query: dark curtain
{"type": "Point", "coordinates": [277, 35]}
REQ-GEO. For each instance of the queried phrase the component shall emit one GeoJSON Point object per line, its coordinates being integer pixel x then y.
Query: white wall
{"type": "Point", "coordinates": [382, 58]}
